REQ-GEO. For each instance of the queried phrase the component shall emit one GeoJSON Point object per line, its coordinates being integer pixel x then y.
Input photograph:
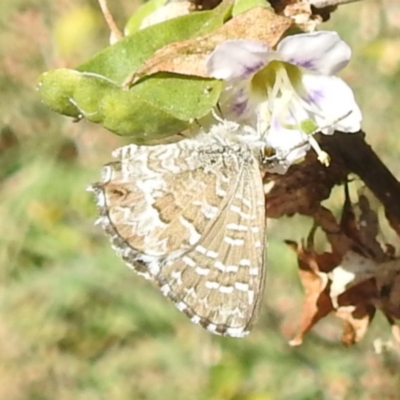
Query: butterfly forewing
{"type": "Point", "coordinates": [219, 283]}
{"type": "Point", "coordinates": [152, 193]}
{"type": "Point", "coordinates": [190, 216]}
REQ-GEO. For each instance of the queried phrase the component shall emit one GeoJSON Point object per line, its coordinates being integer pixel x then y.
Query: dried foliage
{"type": "Point", "coordinates": [357, 277]}
{"type": "Point", "coordinates": [360, 274]}
{"type": "Point", "coordinates": [188, 57]}
{"type": "Point", "coordinates": [306, 14]}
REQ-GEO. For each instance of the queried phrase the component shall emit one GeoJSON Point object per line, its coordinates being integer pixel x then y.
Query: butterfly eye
{"type": "Point", "coordinates": [269, 152]}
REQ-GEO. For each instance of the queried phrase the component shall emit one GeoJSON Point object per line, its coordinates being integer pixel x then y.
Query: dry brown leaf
{"type": "Point", "coordinates": [369, 228]}
{"type": "Point", "coordinates": [368, 209]}
{"type": "Point", "coordinates": [339, 242]}
{"type": "Point", "coordinates": [353, 289]}
{"type": "Point", "coordinates": [302, 14]}
{"type": "Point", "coordinates": [353, 270]}
{"type": "Point", "coordinates": [303, 188]}
{"type": "Point", "coordinates": [355, 306]}
{"type": "Point", "coordinates": [388, 286]}
{"type": "Point", "coordinates": [348, 281]}
{"type": "Point", "coordinates": [377, 287]}
{"type": "Point", "coordinates": [355, 323]}
{"type": "Point", "coordinates": [360, 223]}
{"type": "Point", "coordinates": [348, 221]}
{"type": "Point", "coordinates": [317, 303]}
{"type": "Point", "coordinates": [188, 57]}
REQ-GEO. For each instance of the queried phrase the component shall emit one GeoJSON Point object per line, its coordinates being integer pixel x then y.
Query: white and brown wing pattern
{"type": "Point", "coordinates": [190, 216]}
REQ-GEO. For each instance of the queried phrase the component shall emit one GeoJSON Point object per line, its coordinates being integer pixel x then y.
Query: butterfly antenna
{"type": "Point", "coordinates": [332, 123]}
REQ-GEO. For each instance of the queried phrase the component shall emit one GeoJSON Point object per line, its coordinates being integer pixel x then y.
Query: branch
{"type": "Point", "coordinates": [115, 31]}
{"type": "Point", "coordinates": [306, 185]}
{"type": "Point", "coordinates": [359, 158]}
{"type": "Point", "coordinates": [330, 3]}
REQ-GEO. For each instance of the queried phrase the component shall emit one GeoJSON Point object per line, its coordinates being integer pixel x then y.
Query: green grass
{"type": "Point", "coordinates": [76, 324]}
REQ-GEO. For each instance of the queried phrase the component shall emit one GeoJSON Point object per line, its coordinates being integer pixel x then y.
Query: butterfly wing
{"type": "Point", "coordinates": [147, 196]}
{"type": "Point", "coordinates": [175, 211]}
{"type": "Point", "coordinates": [219, 282]}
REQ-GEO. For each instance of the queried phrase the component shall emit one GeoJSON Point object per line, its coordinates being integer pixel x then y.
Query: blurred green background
{"type": "Point", "coordinates": [75, 323]}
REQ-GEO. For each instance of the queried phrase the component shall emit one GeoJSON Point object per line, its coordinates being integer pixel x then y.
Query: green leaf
{"type": "Point", "coordinates": [56, 89]}
{"type": "Point", "coordinates": [125, 113]}
{"type": "Point", "coordinates": [158, 106]}
{"type": "Point", "coordinates": [120, 60]}
{"type": "Point", "coordinates": [244, 5]}
{"type": "Point", "coordinates": [146, 112]}
{"type": "Point", "coordinates": [140, 14]}
{"type": "Point", "coordinates": [195, 96]}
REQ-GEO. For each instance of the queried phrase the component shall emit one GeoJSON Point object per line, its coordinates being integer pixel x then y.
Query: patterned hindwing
{"type": "Point", "coordinates": [219, 282]}
{"type": "Point", "coordinates": [190, 216]}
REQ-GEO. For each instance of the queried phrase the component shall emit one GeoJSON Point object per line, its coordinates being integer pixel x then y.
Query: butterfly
{"type": "Point", "coordinates": [190, 216]}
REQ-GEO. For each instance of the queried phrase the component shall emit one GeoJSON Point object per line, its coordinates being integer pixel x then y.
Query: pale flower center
{"type": "Point", "coordinates": [279, 83]}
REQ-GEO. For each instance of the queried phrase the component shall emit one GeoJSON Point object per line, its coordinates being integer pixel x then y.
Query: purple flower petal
{"type": "Point", "coordinates": [321, 52]}
{"type": "Point", "coordinates": [332, 101]}
{"type": "Point", "coordinates": [237, 59]}
{"type": "Point", "coordinates": [239, 108]}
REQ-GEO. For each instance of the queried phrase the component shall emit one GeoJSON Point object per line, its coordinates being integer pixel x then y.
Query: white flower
{"type": "Point", "coordinates": [278, 90]}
